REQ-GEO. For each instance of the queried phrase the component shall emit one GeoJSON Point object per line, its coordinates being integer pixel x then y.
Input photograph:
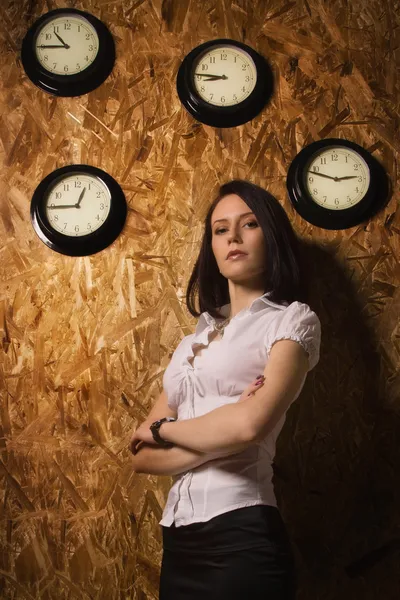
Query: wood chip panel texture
{"type": "Point", "coordinates": [85, 341]}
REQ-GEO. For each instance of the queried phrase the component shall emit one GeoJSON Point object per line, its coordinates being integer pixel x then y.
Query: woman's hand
{"type": "Point", "coordinates": [142, 434]}
{"type": "Point", "coordinates": [252, 388]}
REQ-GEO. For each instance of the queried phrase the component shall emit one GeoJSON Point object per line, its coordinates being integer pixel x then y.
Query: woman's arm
{"type": "Point", "coordinates": [156, 460]}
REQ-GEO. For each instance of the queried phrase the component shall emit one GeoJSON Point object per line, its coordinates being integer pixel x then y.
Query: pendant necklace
{"type": "Point", "coordinates": [220, 327]}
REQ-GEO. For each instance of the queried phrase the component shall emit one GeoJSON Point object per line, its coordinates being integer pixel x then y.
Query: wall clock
{"type": "Point", "coordinates": [336, 184]}
{"type": "Point", "coordinates": [78, 210]}
{"type": "Point", "coordinates": [68, 52]}
{"type": "Point", "coordinates": [224, 83]}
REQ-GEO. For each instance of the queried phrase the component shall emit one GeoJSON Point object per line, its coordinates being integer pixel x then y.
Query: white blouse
{"type": "Point", "coordinates": [219, 376]}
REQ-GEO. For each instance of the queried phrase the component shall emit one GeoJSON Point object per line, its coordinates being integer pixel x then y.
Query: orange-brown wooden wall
{"type": "Point", "coordinates": [85, 341]}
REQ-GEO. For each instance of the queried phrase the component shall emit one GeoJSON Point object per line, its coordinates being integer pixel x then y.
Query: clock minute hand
{"type": "Point", "coordinates": [323, 175]}
{"type": "Point", "coordinates": [80, 198]}
{"type": "Point", "coordinates": [62, 206]}
{"type": "Point", "coordinates": [211, 77]}
{"type": "Point", "coordinates": [60, 38]}
{"type": "Point", "coordinates": [43, 46]}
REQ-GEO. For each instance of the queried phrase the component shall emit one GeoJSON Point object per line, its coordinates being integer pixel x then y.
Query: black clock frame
{"type": "Point", "coordinates": [223, 116]}
{"type": "Point", "coordinates": [82, 245]}
{"type": "Point", "coordinates": [374, 199]}
{"type": "Point", "coordinates": [75, 84]}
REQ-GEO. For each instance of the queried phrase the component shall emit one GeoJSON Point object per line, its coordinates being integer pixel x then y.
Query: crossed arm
{"type": "Point", "coordinates": [233, 427]}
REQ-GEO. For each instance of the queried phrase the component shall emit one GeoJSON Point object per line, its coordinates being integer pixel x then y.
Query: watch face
{"type": "Point", "coordinates": [78, 210]}
{"type": "Point", "coordinates": [66, 44]}
{"type": "Point", "coordinates": [68, 52]}
{"type": "Point", "coordinates": [224, 83]}
{"type": "Point", "coordinates": [225, 75]}
{"type": "Point", "coordinates": [336, 184]}
{"type": "Point", "coordinates": [337, 177]}
{"type": "Point", "coordinates": [78, 204]}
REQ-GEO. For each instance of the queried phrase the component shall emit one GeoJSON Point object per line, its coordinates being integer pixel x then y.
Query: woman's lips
{"type": "Point", "coordinates": [236, 256]}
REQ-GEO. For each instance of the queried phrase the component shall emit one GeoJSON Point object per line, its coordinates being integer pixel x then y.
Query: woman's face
{"type": "Point", "coordinates": [238, 231]}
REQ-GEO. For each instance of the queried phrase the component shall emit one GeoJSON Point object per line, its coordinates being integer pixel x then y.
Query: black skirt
{"type": "Point", "coordinates": [243, 553]}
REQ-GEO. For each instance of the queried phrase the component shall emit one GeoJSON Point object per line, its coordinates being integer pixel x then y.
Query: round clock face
{"type": "Point", "coordinates": [68, 52]}
{"type": "Point", "coordinates": [78, 204]}
{"type": "Point", "coordinates": [337, 177]}
{"type": "Point", "coordinates": [78, 210]}
{"type": "Point", "coordinates": [225, 75]}
{"type": "Point", "coordinates": [66, 44]}
{"type": "Point", "coordinates": [224, 83]}
{"type": "Point", "coordinates": [336, 184]}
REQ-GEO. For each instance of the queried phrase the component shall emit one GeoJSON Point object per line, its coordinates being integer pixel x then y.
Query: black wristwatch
{"type": "Point", "coordinates": [154, 427]}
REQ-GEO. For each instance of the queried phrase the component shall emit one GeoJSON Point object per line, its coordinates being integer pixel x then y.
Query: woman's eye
{"type": "Point", "coordinates": [248, 223]}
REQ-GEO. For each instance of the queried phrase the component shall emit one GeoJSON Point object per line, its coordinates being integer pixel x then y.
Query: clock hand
{"type": "Point", "coordinates": [211, 76]}
{"type": "Point", "coordinates": [62, 206]}
{"type": "Point", "coordinates": [80, 198]}
{"type": "Point", "coordinates": [43, 46]}
{"type": "Point", "coordinates": [347, 177]}
{"type": "Point", "coordinates": [61, 40]}
{"type": "Point", "coordinates": [215, 78]}
{"type": "Point", "coordinates": [323, 175]}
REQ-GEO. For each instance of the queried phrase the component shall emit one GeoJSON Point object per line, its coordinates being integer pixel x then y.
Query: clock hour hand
{"type": "Point", "coordinates": [43, 46]}
{"type": "Point", "coordinates": [62, 206]}
{"type": "Point", "coordinates": [80, 198]}
{"type": "Point", "coordinates": [347, 177]}
{"type": "Point", "coordinates": [61, 40]}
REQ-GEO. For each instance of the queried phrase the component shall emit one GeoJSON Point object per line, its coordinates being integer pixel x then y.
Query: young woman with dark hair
{"type": "Point", "coordinates": [223, 534]}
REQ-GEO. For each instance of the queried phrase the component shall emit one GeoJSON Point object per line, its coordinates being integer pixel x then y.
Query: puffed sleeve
{"type": "Point", "coordinates": [299, 323]}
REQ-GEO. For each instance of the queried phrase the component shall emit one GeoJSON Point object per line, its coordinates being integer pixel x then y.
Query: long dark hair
{"type": "Point", "coordinates": [284, 279]}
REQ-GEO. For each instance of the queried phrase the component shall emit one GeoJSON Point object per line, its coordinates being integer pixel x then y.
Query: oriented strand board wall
{"type": "Point", "coordinates": [85, 341]}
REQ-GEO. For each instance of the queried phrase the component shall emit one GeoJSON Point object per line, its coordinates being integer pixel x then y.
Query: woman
{"type": "Point", "coordinates": [223, 535]}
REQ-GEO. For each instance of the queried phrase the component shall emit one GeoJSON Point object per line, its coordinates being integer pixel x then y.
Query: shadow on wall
{"type": "Point", "coordinates": [336, 465]}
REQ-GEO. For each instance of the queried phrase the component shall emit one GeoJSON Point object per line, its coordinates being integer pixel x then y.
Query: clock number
{"type": "Point", "coordinates": [235, 57]}
{"type": "Point", "coordinates": [90, 186]}
{"type": "Point", "coordinates": [346, 158]}
{"type": "Point", "coordinates": [316, 169]}
{"type": "Point", "coordinates": [311, 179]}
{"type": "Point", "coordinates": [222, 98]}
{"type": "Point", "coordinates": [202, 89]}
{"type": "Point", "coordinates": [98, 218]}
{"type": "Point", "coordinates": [78, 184]}
{"type": "Point", "coordinates": [76, 227]}
{"type": "Point", "coordinates": [204, 67]}
{"type": "Point", "coordinates": [87, 36]}
{"type": "Point", "coordinates": [91, 48]}
{"type": "Point", "coordinates": [348, 198]}
{"type": "Point", "coordinates": [247, 78]}
{"type": "Point", "coordinates": [52, 204]}
{"type": "Point", "coordinates": [359, 179]}
{"type": "Point", "coordinates": [101, 206]}
{"type": "Point", "coordinates": [89, 226]}
{"type": "Point", "coordinates": [212, 59]}
{"type": "Point", "coordinates": [357, 189]}
{"type": "Point", "coordinates": [79, 28]}
{"type": "Point", "coordinates": [46, 57]}
{"type": "Point", "coordinates": [78, 66]}
{"type": "Point", "coordinates": [334, 157]}
{"type": "Point", "coordinates": [211, 96]}
{"type": "Point", "coordinates": [56, 28]}
{"type": "Point", "coordinates": [66, 68]}
{"type": "Point", "coordinates": [86, 58]}
{"type": "Point", "coordinates": [315, 191]}
{"type": "Point", "coordinates": [98, 194]}
{"type": "Point", "coordinates": [65, 225]}
{"type": "Point", "coordinates": [336, 201]}
{"type": "Point", "coordinates": [243, 88]}
{"type": "Point", "coordinates": [235, 97]}
{"type": "Point", "coordinates": [66, 187]}
{"type": "Point", "coordinates": [67, 26]}
{"type": "Point", "coordinates": [355, 167]}
{"type": "Point", "coordinates": [58, 195]}
{"type": "Point", "coordinates": [56, 217]}
{"type": "Point", "coordinates": [323, 161]}
{"type": "Point", "coordinates": [224, 56]}
{"type": "Point", "coordinates": [54, 65]}
{"type": "Point", "coordinates": [48, 36]}
{"type": "Point", "coordinates": [324, 198]}
{"type": "Point", "coordinates": [244, 67]}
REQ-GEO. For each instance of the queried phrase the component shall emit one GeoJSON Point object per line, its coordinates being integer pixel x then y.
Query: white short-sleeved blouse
{"type": "Point", "coordinates": [219, 376]}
